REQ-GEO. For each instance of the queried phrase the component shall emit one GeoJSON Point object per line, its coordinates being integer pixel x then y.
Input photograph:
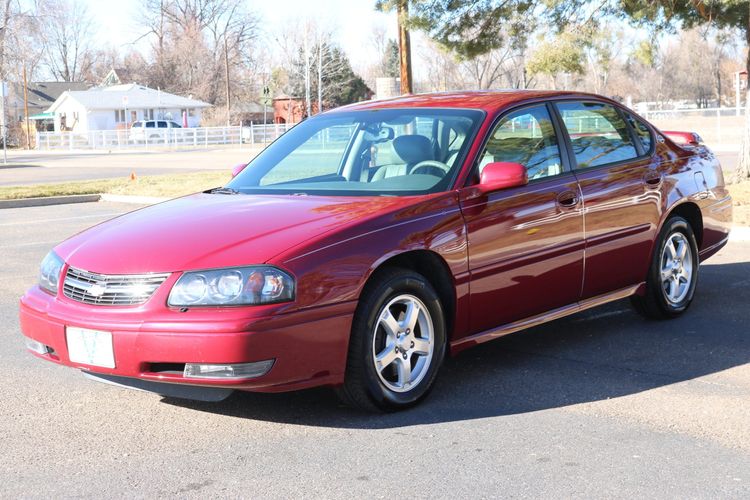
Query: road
{"type": "Point", "coordinates": [602, 404]}
{"type": "Point", "coordinates": [33, 167]}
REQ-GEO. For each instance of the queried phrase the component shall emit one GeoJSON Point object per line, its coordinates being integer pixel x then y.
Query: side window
{"type": "Point", "coordinates": [642, 131]}
{"type": "Point", "coordinates": [150, 124]}
{"type": "Point", "coordinates": [526, 137]}
{"type": "Point", "coordinates": [597, 133]}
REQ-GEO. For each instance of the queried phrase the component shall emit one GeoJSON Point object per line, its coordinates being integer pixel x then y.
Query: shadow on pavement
{"type": "Point", "coordinates": [599, 354]}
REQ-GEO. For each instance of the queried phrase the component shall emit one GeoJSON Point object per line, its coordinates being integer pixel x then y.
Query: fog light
{"type": "Point", "coordinates": [235, 371]}
{"type": "Point", "coordinates": [35, 346]}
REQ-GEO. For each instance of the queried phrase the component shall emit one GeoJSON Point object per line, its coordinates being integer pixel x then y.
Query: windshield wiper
{"type": "Point", "coordinates": [224, 190]}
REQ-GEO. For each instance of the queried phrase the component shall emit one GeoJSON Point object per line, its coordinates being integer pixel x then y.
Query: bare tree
{"type": "Point", "coordinates": [65, 29]}
{"type": "Point", "coordinates": [201, 47]}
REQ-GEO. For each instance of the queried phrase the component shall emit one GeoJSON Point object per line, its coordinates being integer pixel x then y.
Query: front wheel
{"type": "Point", "coordinates": [397, 343]}
{"type": "Point", "coordinates": [673, 274]}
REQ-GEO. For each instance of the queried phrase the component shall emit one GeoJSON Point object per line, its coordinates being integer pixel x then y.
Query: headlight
{"type": "Point", "coordinates": [235, 286]}
{"type": "Point", "coordinates": [49, 273]}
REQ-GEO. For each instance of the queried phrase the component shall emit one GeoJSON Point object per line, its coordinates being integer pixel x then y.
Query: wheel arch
{"type": "Point", "coordinates": [434, 269]}
{"type": "Point", "coordinates": [690, 212]}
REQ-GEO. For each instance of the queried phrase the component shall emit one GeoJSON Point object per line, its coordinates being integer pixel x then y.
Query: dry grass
{"type": "Point", "coordinates": [741, 198]}
{"type": "Point", "coordinates": [167, 186]}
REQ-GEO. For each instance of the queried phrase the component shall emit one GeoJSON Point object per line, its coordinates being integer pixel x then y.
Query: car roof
{"type": "Point", "coordinates": [487, 100]}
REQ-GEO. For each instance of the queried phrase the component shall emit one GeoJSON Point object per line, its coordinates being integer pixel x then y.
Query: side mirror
{"type": "Point", "coordinates": [237, 169]}
{"type": "Point", "coordinates": [501, 175]}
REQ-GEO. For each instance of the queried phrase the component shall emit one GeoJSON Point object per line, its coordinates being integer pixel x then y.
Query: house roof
{"type": "Point", "coordinates": [138, 97]}
{"type": "Point", "coordinates": [43, 93]}
{"type": "Point", "coordinates": [117, 76]}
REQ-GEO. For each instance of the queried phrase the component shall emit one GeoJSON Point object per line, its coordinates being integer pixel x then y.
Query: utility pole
{"type": "Point", "coordinates": [308, 104]}
{"type": "Point", "coordinates": [404, 47]}
{"type": "Point", "coordinates": [4, 129]}
{"type": "Point", "coordinates": [26, 107]}
{"type": "Point", "coordinates": [226, 76]}
{"type": "Point", "coordinates": [320, 75]}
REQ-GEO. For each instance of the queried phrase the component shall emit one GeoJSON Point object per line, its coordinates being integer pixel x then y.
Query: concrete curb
{"type": "Point", "coordinates": [138, 200]}
{"type": "Point", "coordinates": [49, 200]}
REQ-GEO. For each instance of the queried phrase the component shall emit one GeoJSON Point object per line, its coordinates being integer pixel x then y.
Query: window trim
{"type": "Point", "coordinates": [569, 144]}
{"type": "Point", "coordinates": [472, 178]}
{"type": "Point", "coordinates": [649, 128]}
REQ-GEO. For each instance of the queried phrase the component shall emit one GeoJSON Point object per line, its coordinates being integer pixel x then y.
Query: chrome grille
{"type": "Point", "coordinates": [110, 289]}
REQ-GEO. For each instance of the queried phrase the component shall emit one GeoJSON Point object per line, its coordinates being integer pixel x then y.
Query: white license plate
{"type": "Point", "coordinates": [90, 347]}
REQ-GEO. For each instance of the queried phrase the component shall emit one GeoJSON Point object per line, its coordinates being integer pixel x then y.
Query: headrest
{"type": "Point", "coordinates": [413, 148]}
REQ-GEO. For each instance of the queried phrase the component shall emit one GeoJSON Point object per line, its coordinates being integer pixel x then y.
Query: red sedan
{"type": "Point", "coordinates": [369, 242]}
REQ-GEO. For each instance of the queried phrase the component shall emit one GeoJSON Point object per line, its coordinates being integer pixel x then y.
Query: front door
{"type": "Point", "coordinates": [525, 243]}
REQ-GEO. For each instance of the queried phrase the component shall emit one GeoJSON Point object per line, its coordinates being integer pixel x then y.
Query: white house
{"type": "Point", "coordinates": [118, 106]}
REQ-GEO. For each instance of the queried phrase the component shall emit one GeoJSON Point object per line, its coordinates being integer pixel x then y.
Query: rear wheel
{"type": "Point", "coordinates": [673, 274]}
{"type": "Point", "coordinates": [397, 343]}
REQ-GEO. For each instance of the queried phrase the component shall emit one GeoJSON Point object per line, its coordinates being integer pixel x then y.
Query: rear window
{"type": "Point", "coordinates": [598, 134]}
{"type": "Point", "coordinates": [137, 125]}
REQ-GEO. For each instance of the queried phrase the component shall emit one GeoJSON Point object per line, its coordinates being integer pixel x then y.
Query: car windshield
{"type": "Point", "coordinates": [385, 152]}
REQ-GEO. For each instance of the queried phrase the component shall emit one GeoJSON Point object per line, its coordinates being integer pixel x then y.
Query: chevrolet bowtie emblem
{"type": "Point", "coordinates": [97, 289]}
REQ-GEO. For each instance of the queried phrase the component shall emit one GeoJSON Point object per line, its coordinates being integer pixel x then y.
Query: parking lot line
{"type": "Point", "coordinates": [35, 243]}
{"type": "Point", "coordinates": [61, 219]}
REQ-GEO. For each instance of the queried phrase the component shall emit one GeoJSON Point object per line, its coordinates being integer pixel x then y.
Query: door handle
{"type": "Point", "coordinates": [652, 179]}
{"type": "Point", "coordinates": [567, 199]}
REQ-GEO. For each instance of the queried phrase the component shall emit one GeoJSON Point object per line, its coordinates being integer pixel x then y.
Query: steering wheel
{"type": "Point", "coordinates": [428, 164]}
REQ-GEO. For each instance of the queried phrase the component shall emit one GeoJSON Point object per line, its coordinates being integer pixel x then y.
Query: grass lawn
{"type": "Point", "coordinates": [167, 186]}
{"type": "Point", "coordinates": [741, 197]}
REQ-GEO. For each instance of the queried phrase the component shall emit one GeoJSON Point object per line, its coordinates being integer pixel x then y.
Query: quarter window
{"type": "Point", "coordinates": [641, 131]}
{"type": "Point", "coordinates": [526, 137]}
{"type": "Point", "coordinates": [597, 133]}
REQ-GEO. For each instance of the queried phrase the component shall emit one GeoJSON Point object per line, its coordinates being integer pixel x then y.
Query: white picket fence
{"type": "Point", "coordinates": [717, 126]}
{"type": "Point", "coordinates": [160, 138]}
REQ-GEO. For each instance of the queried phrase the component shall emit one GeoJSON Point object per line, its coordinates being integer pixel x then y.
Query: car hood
{"type": "Point", "coordinates": [213, 230]}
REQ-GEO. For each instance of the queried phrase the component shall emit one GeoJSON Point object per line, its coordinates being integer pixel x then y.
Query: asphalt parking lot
{"type": "Point", "coordinates": [601, 404]}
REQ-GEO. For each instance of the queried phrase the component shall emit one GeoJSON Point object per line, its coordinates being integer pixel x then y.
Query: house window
{"type": "Point", "coordinates": [119, 115]}
{"type": "Point", "coordinates": [148, 114]}
{"type": "Point", "coordinates": [191, 112]}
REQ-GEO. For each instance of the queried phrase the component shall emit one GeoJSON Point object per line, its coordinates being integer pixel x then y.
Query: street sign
{"type": "Point", "coordinates": [265, 98]}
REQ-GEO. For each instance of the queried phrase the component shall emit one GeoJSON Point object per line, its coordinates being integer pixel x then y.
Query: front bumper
{"type": "Point", "coordinates": [151, 342]}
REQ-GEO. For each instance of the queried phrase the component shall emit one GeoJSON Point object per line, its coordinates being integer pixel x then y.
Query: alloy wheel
{"type": "Point", "coordinates": [403, 343]}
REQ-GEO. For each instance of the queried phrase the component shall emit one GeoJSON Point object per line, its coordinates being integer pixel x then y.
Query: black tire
{"type": "Point", "coordinates": [363, 387]}
{"type": "Point", "coordinates": [655, 304]}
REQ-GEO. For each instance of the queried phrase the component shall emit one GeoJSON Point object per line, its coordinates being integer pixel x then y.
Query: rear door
{"type": "Point", "coordinates": [621, 193]}
{"type": "Point", "coordinates": [525, 243]}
